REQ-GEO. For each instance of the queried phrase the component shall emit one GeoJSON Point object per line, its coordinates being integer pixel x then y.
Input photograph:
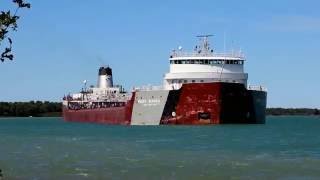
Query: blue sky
{"type": "Point", "coordinates": [60, 43]}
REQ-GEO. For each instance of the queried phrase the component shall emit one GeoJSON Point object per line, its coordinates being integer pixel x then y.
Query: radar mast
{"type": "Point", "coordinates": [204, 43]}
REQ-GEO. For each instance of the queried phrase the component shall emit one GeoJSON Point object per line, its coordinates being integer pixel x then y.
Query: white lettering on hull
{"type": "Point", "coordinates": [149, 102]}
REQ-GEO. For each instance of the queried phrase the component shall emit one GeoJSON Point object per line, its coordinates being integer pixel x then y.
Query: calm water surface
{"type": "Point", "coordinates": [49, 148]}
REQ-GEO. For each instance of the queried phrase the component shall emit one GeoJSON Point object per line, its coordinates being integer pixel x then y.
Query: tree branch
{"type": "Point", "coordinates": [7, 22]}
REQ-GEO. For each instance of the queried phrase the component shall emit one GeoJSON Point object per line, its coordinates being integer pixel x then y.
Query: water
{"type": "Point", "coordinates": [49, 148]}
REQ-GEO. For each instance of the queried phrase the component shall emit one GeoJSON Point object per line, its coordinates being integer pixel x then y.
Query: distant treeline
{"type": "Point", "coordinates": [32, 108]}
{"type": "Point", "coordinates": [46, 108]}
{"type": "Point", "coordinates": [292, 111]}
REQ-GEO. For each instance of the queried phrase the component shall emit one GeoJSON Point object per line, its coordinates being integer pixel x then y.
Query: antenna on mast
{"type": "Point", "coordinates": [224, 41]}
{"type": "Point", "coordinates": [224, 59]}
{"type": "Point", "coordinates": [205, 46]}
{"type": "Point", "coordinates": [204, 35]}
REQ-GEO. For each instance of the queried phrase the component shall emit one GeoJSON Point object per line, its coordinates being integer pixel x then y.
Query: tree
{"type": "Point", "coordinates": [24, 109]}
{"type": "Point", "coordinates": [8, 22]}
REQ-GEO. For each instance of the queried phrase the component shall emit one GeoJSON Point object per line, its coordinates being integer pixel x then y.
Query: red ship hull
{"type": "Point", "coordinates": [193, 104]}
{"type": "Point", "coordinates": [111, 115]}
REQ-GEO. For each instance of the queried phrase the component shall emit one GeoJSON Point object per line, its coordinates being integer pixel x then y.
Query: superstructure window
{"type": "Point", "coordinates": [206, 61]}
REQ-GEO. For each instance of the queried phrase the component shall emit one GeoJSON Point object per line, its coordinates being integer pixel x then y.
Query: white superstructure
{"type": "Point", "coordinates": [204, 65]}
{"type": "Point", "coordinates": [104, 92]}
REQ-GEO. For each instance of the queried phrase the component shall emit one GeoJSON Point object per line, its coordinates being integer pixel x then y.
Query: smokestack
{"type": "Point", "coordinates": [105, 77]}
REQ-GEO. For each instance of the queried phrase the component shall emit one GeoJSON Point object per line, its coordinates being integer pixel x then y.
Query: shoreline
{"type": "Point", "coordinates": [283, 115]}
{"type": "Point", "coordinates": [54, 109]}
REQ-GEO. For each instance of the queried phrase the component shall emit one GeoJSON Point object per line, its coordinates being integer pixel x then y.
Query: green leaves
{"type": "Point", "coordinates": [8, 21]}
{"type": "Point", "coordinates": [7, 52]}
{"type": "Point", "coordinates": [21, 4]}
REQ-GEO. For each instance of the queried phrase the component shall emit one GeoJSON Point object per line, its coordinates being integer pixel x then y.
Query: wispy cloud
{"type": "Point", "coordinates": [291, 23]}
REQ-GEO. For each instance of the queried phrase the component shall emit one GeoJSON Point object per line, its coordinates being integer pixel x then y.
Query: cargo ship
{"type": "Point", "coordinates": [202, 87]}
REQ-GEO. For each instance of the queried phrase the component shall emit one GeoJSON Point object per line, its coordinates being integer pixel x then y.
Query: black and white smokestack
{"type": "Point", "coordinates": [105, 77]}
{"type": "Point", "coordinates": [105, 71]}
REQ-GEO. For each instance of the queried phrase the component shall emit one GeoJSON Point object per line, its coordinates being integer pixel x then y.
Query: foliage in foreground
{"type": "Point", "coordinates": [8, 22]}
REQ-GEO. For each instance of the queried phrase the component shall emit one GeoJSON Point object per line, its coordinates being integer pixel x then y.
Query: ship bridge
{"type": "Point", "coordinates": [204, 65]}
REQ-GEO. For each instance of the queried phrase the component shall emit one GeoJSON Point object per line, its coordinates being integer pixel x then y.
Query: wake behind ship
{"type": "Point", "coordinates": [202, 87]}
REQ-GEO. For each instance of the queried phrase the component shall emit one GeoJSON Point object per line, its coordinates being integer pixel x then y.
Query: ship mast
{"type": "Point", "coordinates": [204, 46]}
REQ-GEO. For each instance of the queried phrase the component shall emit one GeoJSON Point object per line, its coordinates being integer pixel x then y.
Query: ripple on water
{"type": "Point", "coordinates": [284, 148]}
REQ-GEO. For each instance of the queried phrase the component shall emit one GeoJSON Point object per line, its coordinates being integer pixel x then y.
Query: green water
{"type": "Point", "coordinates": [49, 148]}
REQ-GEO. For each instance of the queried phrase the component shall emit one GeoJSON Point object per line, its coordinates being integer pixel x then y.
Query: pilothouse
{"type": "Point", "coordinates": [204, 65]}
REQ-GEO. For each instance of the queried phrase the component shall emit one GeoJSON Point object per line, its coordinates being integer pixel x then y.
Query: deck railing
{"type": "Point", "coordinates": [207, 54]}
{"type": "Point", "coordinates": [148, 88]}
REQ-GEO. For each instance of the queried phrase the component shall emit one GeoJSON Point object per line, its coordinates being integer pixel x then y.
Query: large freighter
{"type": "Point", "coordinates": [202, 87]}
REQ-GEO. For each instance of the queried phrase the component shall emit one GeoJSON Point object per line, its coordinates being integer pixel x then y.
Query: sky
{"type": "Point", "coordinates": [63, 42]}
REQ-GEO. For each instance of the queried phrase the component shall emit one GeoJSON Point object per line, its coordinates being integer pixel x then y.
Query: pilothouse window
{"type": "Point", "coordinates": [205, 61]}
